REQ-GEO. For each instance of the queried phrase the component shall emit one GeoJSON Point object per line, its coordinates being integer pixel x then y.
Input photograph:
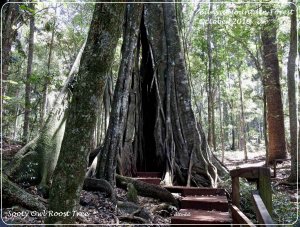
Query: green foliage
{"type": "Point", "coordinates": [48, 26]}
{"type": "Point", "coordinates": [246, 189]}
{"type": "Point", "coordinates": [34, 78]}
{"type": "Point", "coordinates": [69, 34]}
{"type": "Point", "coordinates": [285, 211]}
{"type": "Point", "coordinates": [26, 8]}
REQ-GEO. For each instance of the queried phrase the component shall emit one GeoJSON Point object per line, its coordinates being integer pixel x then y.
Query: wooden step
{"type": "Point", "coordinates": [218, 203]}
{"type": "Point", "coordinates": [191, 216]}
{"type": "Point", "coordinates": [203, 191]}
{"type": "Point", "coordinates": [149, 180]}
{"type": "Point", "coordinates": [188, 191]}
{"type": "Point", "coordinates": [149, 174]}
{"type": "Point", "coordinates": [174, 189]}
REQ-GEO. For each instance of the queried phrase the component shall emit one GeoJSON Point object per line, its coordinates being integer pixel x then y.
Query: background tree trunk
{"type": "Point", "coordinates": [10, 16]}
{"type": "Point", "coordinates": [221, 125]}
{"type": "Point", "coordinates": [28, 75]}
{"type": "Point", "coordinates": [233, 125]}
{"type": "Point", "coordinates": [95, 65]}
{"type": "Point", "coordinates": [210, 95]}
{"type": "Point", "coordinates": [275, 119]}
{"type": "Point", "coordinates": [291, 76]}
{"type": "Point", "coordinates": [243, 129]}
{"type": "Point", "coordinates": [44, 104]}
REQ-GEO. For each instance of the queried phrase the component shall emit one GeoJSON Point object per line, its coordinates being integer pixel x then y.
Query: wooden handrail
{"type": "Point", "coordinates": [261, 211]}
{"type": "Point", "coordinates": [250, 173]}
{"type": "Point", "coordinates": [238, 217]}
{"type": "Point", "coordinates": [262, 177]}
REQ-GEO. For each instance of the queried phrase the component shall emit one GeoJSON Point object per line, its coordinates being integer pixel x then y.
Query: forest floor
{"type": "Point", "coordinates": [95, 207]}
{"type": "Point", "coordinates": [101, 211]}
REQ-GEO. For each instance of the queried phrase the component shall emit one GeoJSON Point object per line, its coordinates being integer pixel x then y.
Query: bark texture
{"type": "Point", "coordinates": [275, 118]}
{"type": "Point", "coordinates": [95, 64]}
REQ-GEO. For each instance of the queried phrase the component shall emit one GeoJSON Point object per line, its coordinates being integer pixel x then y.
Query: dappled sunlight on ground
{"type": "Point", "coordinates": [256, 157]}
{"type": "Point", "coordinates": [235, 159]}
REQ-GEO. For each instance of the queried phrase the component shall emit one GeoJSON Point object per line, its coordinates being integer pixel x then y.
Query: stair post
{"type": "Point", "coordinates": [264, 187]}
{"type": "Point", "coordinates": [236, 191]}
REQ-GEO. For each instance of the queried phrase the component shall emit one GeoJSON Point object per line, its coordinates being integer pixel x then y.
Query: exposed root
{"type": "Point", "coordinates": [12, 195]}
{"type": "Point", "coordinates": [116, 219]}
{"type": "Point", "coordinates": [92, 184]}
{"type": "Point", "coordinates": [133, 219]}
{"type": "Point", "coordinates": [148, 190]}
{"type": "Point", "coordinates": [82, 220]}
{"type": "Point", "coordinates": [221, 168]}
{"type": "Point", "coordinates": [134, 210]}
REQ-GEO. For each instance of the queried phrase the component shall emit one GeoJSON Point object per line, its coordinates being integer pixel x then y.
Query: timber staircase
{"type": "Point", "coordinates": [210, 206]}
{"type": "Point", "coordinates": [197, 205]}
{"type": "Point", "coordinates": [201, 206]}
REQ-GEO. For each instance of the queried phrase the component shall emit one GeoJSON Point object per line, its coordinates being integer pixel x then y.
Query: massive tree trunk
{"type": "Point", "coordinates": [275, 118]}
{"type": "Point", "coordinates": [291, 76]}
{"type": "Point", "coordinates": [95, 65]}
{"type": "Point", "coordinates": [107, 158]}
{"type": "Point", "coordinates": [160, 132]}
{"type": "Point", "coordinates": [191, 155]}
{"type": "Point", "coordinates": [28, 75]}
